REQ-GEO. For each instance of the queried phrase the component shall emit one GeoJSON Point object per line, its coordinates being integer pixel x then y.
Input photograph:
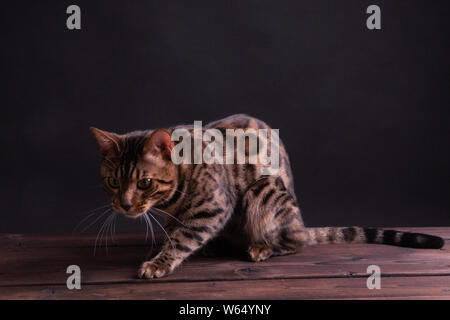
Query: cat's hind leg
{"type": "Point", "coordinates": [273, 221]}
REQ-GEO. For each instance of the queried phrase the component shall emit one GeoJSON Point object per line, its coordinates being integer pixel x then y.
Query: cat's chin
{"type": "Point", "coordinates": [133, 215]}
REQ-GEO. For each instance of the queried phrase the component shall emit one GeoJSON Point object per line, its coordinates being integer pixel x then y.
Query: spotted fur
{"type": "Point", "coordinates": [225, 202]}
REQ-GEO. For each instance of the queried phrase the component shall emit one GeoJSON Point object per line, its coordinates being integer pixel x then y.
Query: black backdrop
{"type": "Point", "coordinates": [364, 114]}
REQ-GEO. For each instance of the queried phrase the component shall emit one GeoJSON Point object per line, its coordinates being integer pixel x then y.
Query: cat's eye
{"type": "Point", "coordinates": [144, 183]}
{"type": "Point", "coordinates": [113, 182]}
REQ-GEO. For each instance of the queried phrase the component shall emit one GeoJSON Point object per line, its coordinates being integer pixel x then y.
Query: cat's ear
{"type": "Point", "coordinates": [158, 144]}
{"type": "Point", "coordinates": [108, 142]}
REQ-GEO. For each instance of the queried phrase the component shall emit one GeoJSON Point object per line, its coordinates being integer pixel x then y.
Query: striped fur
{"type": "Point", "coordinates": [373, 235]}
{"type": "Point", "coordinates": [230, 203]}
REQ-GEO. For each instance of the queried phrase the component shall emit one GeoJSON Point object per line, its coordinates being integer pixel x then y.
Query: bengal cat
{"type": "Point", "coordinates": [213, 201]}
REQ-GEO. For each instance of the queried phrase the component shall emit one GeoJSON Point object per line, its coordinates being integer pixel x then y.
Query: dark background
{"type": "Point", "coordinates": [364, 114]}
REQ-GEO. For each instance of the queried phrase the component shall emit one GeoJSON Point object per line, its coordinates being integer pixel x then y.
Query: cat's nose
{"type": "Point", "coordinates": [125, 206]}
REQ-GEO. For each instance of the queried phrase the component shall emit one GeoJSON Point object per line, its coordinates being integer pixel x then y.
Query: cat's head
{"type": "Point", "coordinates": [136, 169]}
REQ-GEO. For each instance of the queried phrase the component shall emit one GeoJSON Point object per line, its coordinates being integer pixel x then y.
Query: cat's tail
{"type": "Point", "coordinates": [373, 235]}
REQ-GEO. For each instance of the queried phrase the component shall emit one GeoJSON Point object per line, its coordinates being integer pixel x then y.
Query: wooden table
{"type": "Point", "coordinates": [34, 267]}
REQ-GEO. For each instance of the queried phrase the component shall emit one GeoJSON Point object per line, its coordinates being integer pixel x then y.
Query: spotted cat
{"type": "Point", "coordinates": [230, 203]}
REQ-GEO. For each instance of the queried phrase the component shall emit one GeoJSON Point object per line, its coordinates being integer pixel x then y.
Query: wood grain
{"type": "Point", "coordinates": [352, 288]}
{"type": "Point", "coordinates": [34, 266]}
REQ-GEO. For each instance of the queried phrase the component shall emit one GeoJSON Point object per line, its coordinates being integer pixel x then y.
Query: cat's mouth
{"type": "Point", "coordinates": [133, 215]}
{"type": "Point", "coordinates": [129, 213]}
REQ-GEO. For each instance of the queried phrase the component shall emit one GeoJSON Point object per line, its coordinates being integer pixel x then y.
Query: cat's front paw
{"type": "Point", "coordinates": [259, 252]}
{"type": "Point", "coordinates": [150, 269]}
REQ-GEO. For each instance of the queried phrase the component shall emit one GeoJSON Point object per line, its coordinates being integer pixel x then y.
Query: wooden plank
{"type": "Point", "coordinates": [76, 240]}
{"type": "Point", "coordinates": [127, 239]}
{"type": "Point", "coordinates": [33, 266]}
{"type": "Point", "coordinates": [26, 266]}
{"type": "Point", "coordinates": [353, 288]}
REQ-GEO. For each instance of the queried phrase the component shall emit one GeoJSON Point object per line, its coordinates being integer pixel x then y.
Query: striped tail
{"type": "Point", "coordinates": [374, 235]}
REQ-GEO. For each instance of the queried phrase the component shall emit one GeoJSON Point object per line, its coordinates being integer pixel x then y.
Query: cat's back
{"type": "Point", "coordinates": [243, 175]}
{"type": "Point", "coordinates": [249, 173]}
{"type": "Point", "coordinates": [238, 121]}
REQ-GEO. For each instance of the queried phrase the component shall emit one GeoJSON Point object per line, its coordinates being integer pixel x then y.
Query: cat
{"type": "Point", "coordinates": [225, 202]}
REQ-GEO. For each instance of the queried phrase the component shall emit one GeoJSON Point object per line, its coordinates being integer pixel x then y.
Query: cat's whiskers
{"type": "Point", "coordinates": [146, 226]}
{"type": "Point", "coordinates": [149, 224]}
{"type": "Point", "coordinates": [151, 230]}
{"type": "Point", "coordinates": [102, 232]}
{"type": "Point", "coordinates": [95, 221]}
{"type": "Point", "coordinates": [153, 236]}
{"type": "Point", "coordinates": [159, 224]}
{"type": "Point", "coordinates": [89, 214]}
{"type": "Point", "coordinates": [111, 227]}
{"type": "Point", "coordinates": [108, 230]}
{"type": "Point", "coordinates": [170, 215]}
